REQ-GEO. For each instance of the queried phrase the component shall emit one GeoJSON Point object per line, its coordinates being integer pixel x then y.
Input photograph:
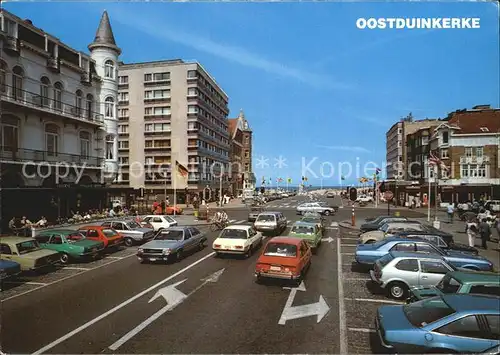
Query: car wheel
{"type": "Point", "coordinates": [129, 242]}
{"type": "Point", "coordinates": [179, 255]}
{"type": "Point", "coordinates": [201, 246]}
{"type": "Point", "coordinates": [326, 213]}
{"type": "Point", "coordinates": [398, 290]}
{"type": "Point", "coordinates": [248, 253]}
{"type": "Point", "coordinates": [64, 258]}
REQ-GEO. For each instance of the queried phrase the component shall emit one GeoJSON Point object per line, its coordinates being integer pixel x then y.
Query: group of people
{"type": "Point", "coordinates": [478, 226]}
{"type": "Point", "coordinates": [24, 226]}
{"type": "Point", "coordinates": [221, 217]}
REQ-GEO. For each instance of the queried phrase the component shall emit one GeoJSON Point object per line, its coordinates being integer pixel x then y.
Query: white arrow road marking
{"type": "Point", "coordinates": [319, 309]}
{"type": "Point", "coordinates": [329, 239]}
{"type": "Point", "coordinates": [173, 297]}
{"type": "Point", "coordinates": [334, 224]}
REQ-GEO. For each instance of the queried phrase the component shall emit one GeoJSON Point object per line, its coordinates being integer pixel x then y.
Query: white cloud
{"type": "Point", "coordinates": [228, 52]}
{"type": "Point", "coordinates": [345, 148]}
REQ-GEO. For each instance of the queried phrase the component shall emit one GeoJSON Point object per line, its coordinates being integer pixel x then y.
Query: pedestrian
{"type": "Point", "coordinates": [472, 231]}
{"type": "Point", "coordinates": [162, 206]}
{"type": "Point", "coordinates": [451, 211]}
{"type": "Point", "coordinates": [484, 232]}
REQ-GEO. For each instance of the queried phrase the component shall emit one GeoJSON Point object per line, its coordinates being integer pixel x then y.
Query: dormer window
{"type": "Point", "coordinates": [109, 69]}
{"type": "Point", "coordinates": [445, 137]}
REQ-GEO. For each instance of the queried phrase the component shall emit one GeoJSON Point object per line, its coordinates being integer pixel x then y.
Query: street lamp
{"type": "Point", "coordinates": [396, 178]}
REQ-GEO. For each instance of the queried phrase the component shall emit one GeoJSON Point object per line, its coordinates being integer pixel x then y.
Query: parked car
{"type": "Point", "coordinates": [9, 269]}
{"type": "Point", "coordinates": [70, 244]}
{"type": "Point", "coordinates": [326, 204]}
{"type": "Point", "coordinates": [309, 232]}
{"type": "Point", "coordinates": [111, 238]}
{"type": "Point", "coordinates": [284, 258]}
{"type": "Point", "coordinates": [397, 272]}
{"type": "Point", "coordinates": [492, 351]}
{"type": "Point", "coordinates": [237, 239]}
{"type": "Point", "coordinates": [172, 243]}
{"type": "Point", "coordinates": [486, 283]}
{"type": "Point", "coordinates": [320, 222]}
{"type": "Point", "coordinates": [443, 240]}
{"type": "Point", "coordinates": [254, 213]}
{"type": "Point", "coordinates": [271, 222]}
{"type": "Point", "coordinates": [453, 323]}
{"type": "Point", "coordinates": [364, 198]}
{"type": "Point", "coordinates": [379, 222]}
{"type": "Point", "coordinates": [492, 205]}
{"type": "Point", "coordinates": [367, 254]}
{"type": "Point", "coordinates": [159, 222]}
{"type": "Point", "coordinates": [315, 207]}
{"type": "Point", "coordinates": [27, 253]}
{"type": "Point", "coordinates": [131, 231]}
{"type": "Point", "coordinates": [390, 229]}
{"type": "Point", "coordinates": [170, 210]}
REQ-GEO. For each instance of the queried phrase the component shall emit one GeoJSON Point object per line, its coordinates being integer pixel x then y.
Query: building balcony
{"type": "Point", "coordinates": [86, 78]}
{"type": "Point", "coordinates": [123, 118]}
{"type": "Point", "coordinates": [123, 102]}
{"type": "Point", "coordinates": [21, 155]}
{"type": "Point", "coordinates": [475, 160]}
{"type": "Point", "coordinates": [54, 64]}
{"type": "Point", "coordinates": [156, 117]}
{"type": "Point", "coordinates": [156, 100]}
{"type": "Point", "coordinates": [122, 86]}
{"type": "Point", "coordinates": [165, 82]}
{"type": "Point", "coordinates": [46, 105]}
{"type": "Point", "coordinates": [12, 45]}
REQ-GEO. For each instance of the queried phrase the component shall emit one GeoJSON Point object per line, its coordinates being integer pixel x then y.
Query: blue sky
{"type": "Point", "coordinates": [310, 82]}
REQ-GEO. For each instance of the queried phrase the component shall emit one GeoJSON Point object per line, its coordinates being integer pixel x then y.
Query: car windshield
{"type": "Point", "coordinates": [281, 249]}
{"type": "Point", "coordinates": [427, 311]}
{"type": "Point", "coordinates": [385, 227]}
{"type": "Point", "coordinates": [28, 246]}
{"type": "Point", "coordinates": [266, 218]}
{"type": "Point", "coordinates": [256, 209]}
{"type": "Point", "coordinates": [133, 225]}
{"type": "Point", "coordinates": [109, 233]}
{"type": "Point", "coordinates": [448, 285]}
{"type": "Point", "coordinates": [74, 237]}
{"type": "Point", "coordinates": [169, 219]}
{"type": "Point", "coordinates": [170, 235]}
{"type": "Point", "coordinates": [386, 259]}
{"type": "Point", "coordinates": [302, 230]}
{"type": "Point", "coordinates": [233, 234]}
{"type": "Point", "coordinates": [310, 220]}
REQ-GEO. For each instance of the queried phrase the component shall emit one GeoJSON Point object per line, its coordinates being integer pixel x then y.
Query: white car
{"type": "Point", "coordinates": [159, 222]}
{"type": "Point", "coordinates": [315, 207]}
{"type": "Point", "coordinates": [237, 239]}
{"type": "Point", "coordinates": [364, 198]}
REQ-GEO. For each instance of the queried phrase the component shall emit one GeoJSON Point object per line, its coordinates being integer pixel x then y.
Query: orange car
{"type": "Point", "coordinates": [108, 236]}
{"type": "Point", "coordinates": [171, 209]}
{"type": "Point", "coordinates": [284, 258]}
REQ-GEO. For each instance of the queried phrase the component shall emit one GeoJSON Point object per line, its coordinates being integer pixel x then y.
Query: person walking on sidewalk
{"type": "Point", "coordinates": [451, 211]}
{"type": "Point", "coordinates": [472, 231]}
{"type": "Point", "coordinates": [485, 232]}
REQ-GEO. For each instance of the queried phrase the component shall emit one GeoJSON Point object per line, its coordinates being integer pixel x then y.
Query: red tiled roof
{"type": "Point", "coordinates": [232, 124]}
{"type": "Point", "coordinates": [472, 121]}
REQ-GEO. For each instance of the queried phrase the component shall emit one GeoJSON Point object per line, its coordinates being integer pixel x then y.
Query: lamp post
{"type": "Point", "coordinates": [396, 178]}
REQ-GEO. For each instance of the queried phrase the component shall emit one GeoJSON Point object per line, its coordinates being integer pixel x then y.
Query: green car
{"type": "Point", "coordinates": [310, 232]}
{"type": "Point", "coordinates": [478, 282]}
{"type": "Point", "coordinates": [315, 220]}
{"type": "Point", "coordinates": [71, 244]}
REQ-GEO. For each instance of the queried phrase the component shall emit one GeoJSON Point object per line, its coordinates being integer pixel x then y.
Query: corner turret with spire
{"type": "Point", "coordinates": [104, 36]}
{"type": "Point", "coordinates": [242, 122]}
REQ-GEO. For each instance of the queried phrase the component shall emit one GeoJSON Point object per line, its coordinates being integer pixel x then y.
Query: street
{"type": "Point", "coordinates": [201, 304]}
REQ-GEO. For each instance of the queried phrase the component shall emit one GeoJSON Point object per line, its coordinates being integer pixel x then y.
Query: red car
{"type": "Point", "coordinates": [284, 258]}
{"type": "Point", "coordinates": [108, 236]}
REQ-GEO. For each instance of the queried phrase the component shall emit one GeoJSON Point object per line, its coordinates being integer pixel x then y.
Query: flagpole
{"type": "Point", "coordinates": [436, 194]}
{"type": "Point", "coordinates": [174, 185]}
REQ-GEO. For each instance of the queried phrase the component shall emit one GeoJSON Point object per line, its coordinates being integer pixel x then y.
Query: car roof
{"type": "Point", "coordinates": [472, 302]}
{"type": "Point", "coordinates": [270, 212]}
{"type": "Point", "coordinates": [61, 231]}
{"type": "Point", "coordinates": [304, 224]}
{"type": "Point", "coordinates": [175, 228]}
{"type": "Point", "coordinates": [399, 239]}
{"type": "Point", "coordinates": [239, 227]}
{"type": "Point", "coordinates": [285, 240]}
{"type": "Point", "coordinates": [403, 254]}
{"type": "Point", "coordinates": [15, 240]}
{"type": "Point", "coordinates": [93, 227]}
{"type": "Point", "coordinates": [476, 276]}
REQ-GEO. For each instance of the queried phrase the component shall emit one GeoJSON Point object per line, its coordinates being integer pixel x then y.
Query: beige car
{"type": "Point", "coordinates": [388, 230]}
{"type": "Point", "coordinates": [27, 253]}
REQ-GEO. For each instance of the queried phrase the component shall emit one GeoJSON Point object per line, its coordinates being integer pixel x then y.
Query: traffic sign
{"type": "Point", "coordinates": [388, 195]}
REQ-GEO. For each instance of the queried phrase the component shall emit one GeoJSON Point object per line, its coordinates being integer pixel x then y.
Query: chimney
{"type": "Point", "coordinates": [481, 107]}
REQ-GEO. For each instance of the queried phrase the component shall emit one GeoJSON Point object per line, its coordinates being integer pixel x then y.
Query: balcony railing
{"type": "Point", "coordinates": [474, 159]}
{"type": "Point", "coordinates": [49, 105]}
{"type": "Point", "coordinates": [8, 154]}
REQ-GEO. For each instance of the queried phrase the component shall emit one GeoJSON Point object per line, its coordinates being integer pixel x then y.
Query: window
{"type": "Point", "coordinates": [56, 239]}
{"type": "Point", "coordinates": [444, 154]}
{"type": "Point", "coordinates": [165, 110]}
{"type": "Point", "coordinates": [247, 140]}
{"type": "Point", "coordinates": [123, 128]}
{"type": "Point", "coordinates": [247, 154]}
{"type": "Point", "coordinates": [5, 249]}
{"type": "Point", "coordinates": [84, 144]}
{"type": "Point", "coordinates": [58, 89]}
{"type": "Point", "coordinates": [407, 247]}
{"type": "Point", "coordinates": [192, 109]}
{"type": "Point", "coordinates": [44, 91]}
{"type": "Point", "coordinates": [110, 143]}
{"type": "Point", "coordinates": [400, 131]}
{"type": "Point", "coordinates": [192, 91]}
{"type": "Point", "coordinates": [123, 96]}
{"type": "Point", "coordinates": [109, 69]}
{"type": "Point", "coordinates": [464, 327]}
{"type": "Point", "coordinates": [445, 137]}
{"type": "Point", "coordinates": [468, 152]}
{"type": "Point", "coordinates": [52, 139]}
{"type": "Point", "coordinates": [123, 80]}
{"type": "Point", "coordinates": [485, 290]}
{"type": "Point", "coordinates": [464, 172]}
{"type": "Point", "coordinates": [89, 106]}
{"type": "Point", "coordinates": [9, 133]}
{"type": "Point", "coordinates": [192, 74]}
{"type": "Point", "coordinates": [123, 112]}
{"type": "Point", "coordinates": [157, 127]}
{"type": "Point", "coordinates": [109, 107]}
{"type": "Point", "coordinates": [481, 171]}
{"type": "Point", "coordinates": [78, 103]}
{"type": "Point", "coordinates": [479, 152]}
{"type": "Point", "coordinates": [247, 167]}
{"type": "Point", "coordinates": [123, 144]}
{"type": "Point", "coordinates": [17, 82]}
{"type": "Point", "coordinates": [474, 171]}
{"type": "Point", "coordinates": [123, 160]}
{"type": "Point", "coordinates": [408, 265]}
{"type": "Point", "coordinates": [426, 248]}
{"type": "Point", "coordinates": [157, 94]}
{"type": "Point", "coordinates": [3, 76]}
{"type": "Point", "coordinates": [433, 267]}
{"type": "Point", "coordinates": [448, 285]}
{"type": "Point", "coordinates": [494, 324]}
{"type": "Point", "coordinates": [165, 76]}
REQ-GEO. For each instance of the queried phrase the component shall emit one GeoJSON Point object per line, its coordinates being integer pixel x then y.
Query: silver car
{"type": "Point", "coordinates": [270, 222]}
{"type": "Point", "coordinates": [132, 231]}
{"type": "Point", "coordinates": [315, 207]}
{"type": "Point", "coordinates": [397, 272]}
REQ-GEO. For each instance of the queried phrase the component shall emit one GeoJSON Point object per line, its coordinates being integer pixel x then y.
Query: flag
{"type": "Point", "coordinates": [280, 179]}
{"type": "Point", "coordinates": [305, 178]}
{"type": "Point", "coordinates": [434, 160]}
{"type": "Point", "coordinates": [181, 169]}
{"type": "Point", "coordinates": [377, 170]}
{"type": "Point", "coordinates": [289, 180]}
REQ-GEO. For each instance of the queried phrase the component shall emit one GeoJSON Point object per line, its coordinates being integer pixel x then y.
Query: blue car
{"type": "Point", "coordinates": [453, 323]}
{"type": "Point", "coordinates": [8, 269]}
{"type": "Point", "coordinates": [367, 254]}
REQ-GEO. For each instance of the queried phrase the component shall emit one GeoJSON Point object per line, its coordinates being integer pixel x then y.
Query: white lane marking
{"type": "Point", "coordinates": [61, 280]}
{"type": "Point", "coordinates": [25, 283]}
{"type": "Point", "coordinates": [120, 306]}
{"type": "Point", "coordinates": [348, 238]}
{"type": "Point", "coordinates": [117, 257]}
{"type": "Point", "coordinates": [347, 253]}
{"type": "Point", "coordinates": [241, 221]}
{"type": "Point", "coordinates": [342, 313]}
{"type": "Point", "coordinates": [358, 279]}
{"type": "Point", "coordinates": [232, 220]}
{"type": "Point", "coordinates": [76, 268]}
{"type": "Point", "coordinates": [374, 300]}
{"type": "Point", "coordinates": [362, 330]}
{"type": "Point", "coordinates": [334, 224]}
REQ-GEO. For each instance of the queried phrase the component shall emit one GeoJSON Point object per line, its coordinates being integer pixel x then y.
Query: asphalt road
{"type": "Point", "coordinates": [94, 307]}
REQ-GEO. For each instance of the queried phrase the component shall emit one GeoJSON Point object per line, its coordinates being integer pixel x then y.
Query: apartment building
{"type": "Point", "coordinates": [172, 111]}
{"type": "Point", "coordinates": [58, 120]}
{"type": "Point", "coordinates": [417, 153]}
{"type": "Point", "coordinates": [242, 176]}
